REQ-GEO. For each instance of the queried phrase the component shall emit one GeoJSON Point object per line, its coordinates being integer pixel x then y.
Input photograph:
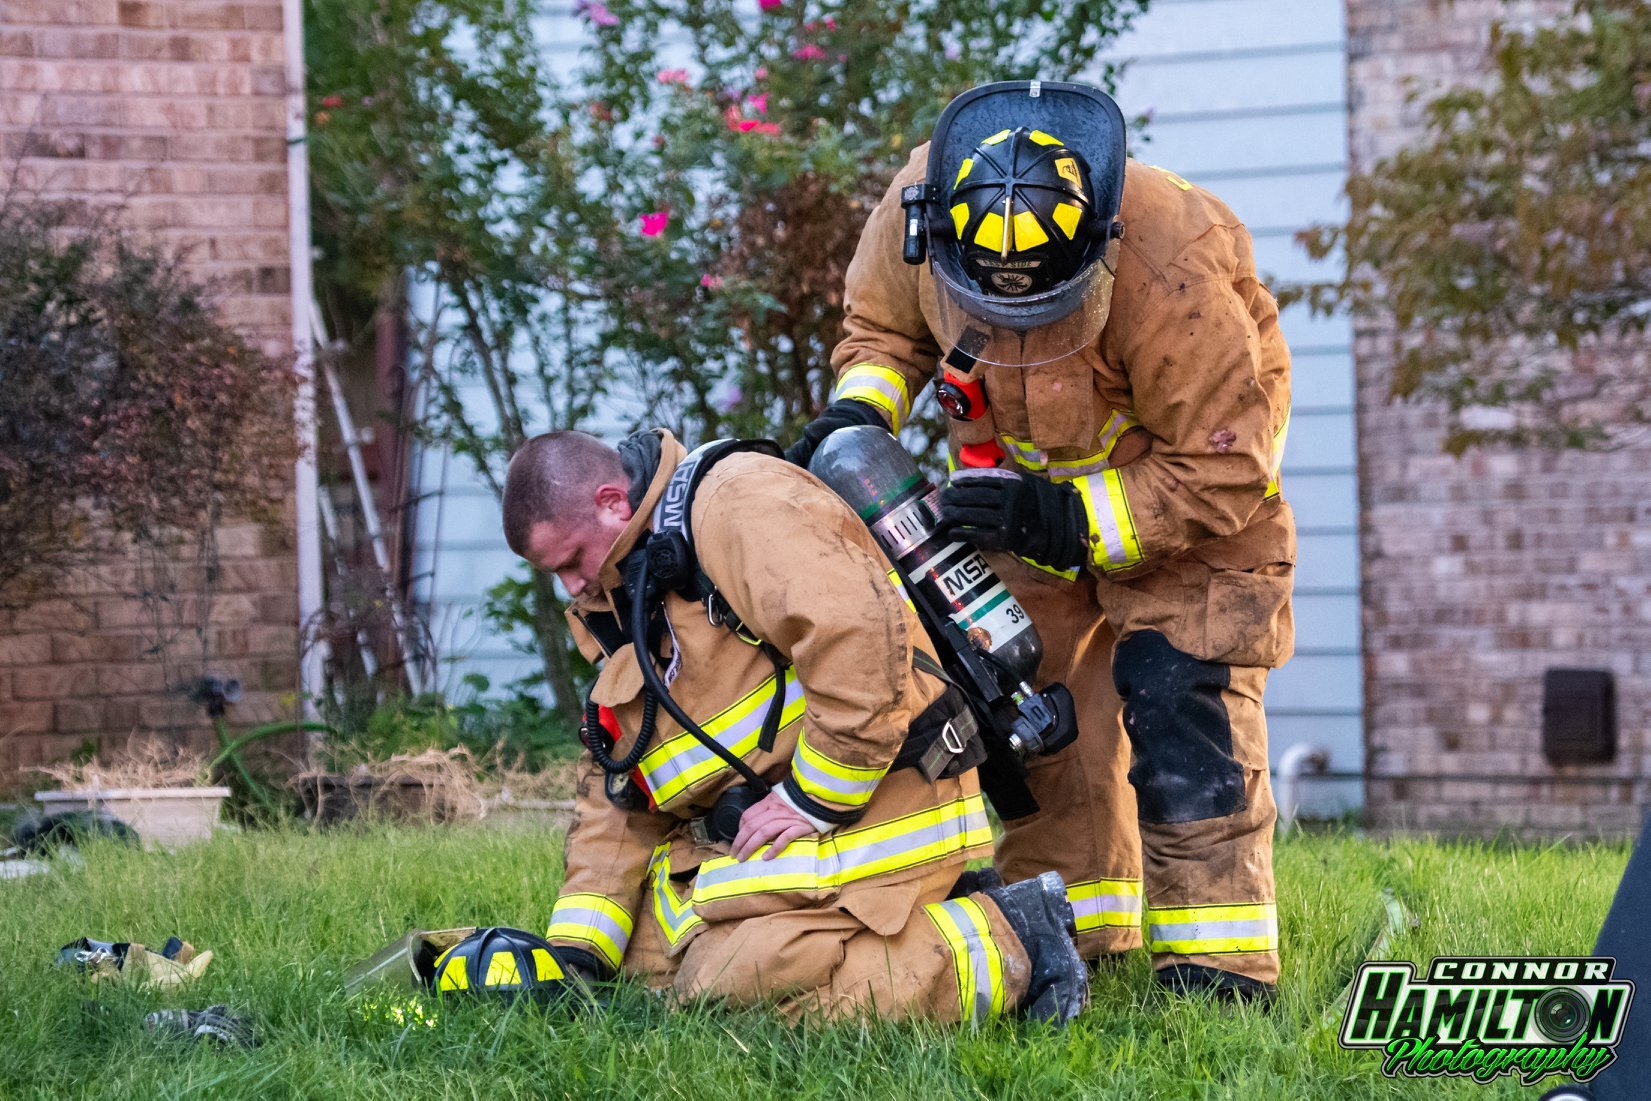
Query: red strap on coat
{"type": "Point", "coordinates": [610, 727]}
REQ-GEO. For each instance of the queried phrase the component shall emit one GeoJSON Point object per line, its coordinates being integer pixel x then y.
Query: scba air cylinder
{"type": "Point", "coordinates": [869, 469]}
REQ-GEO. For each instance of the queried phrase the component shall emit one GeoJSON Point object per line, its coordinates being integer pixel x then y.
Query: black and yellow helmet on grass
{"type": "Point", "coordinates": [1018, 219]}
{"type": "Point", "coordinates": [499, 960]}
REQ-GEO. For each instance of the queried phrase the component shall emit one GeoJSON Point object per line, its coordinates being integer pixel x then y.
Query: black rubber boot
{"type": "Point", "coordinates": [1038, 912]}
{"type": "Point", "coordinates": [1226, 986]}
{"type": "Point", "coordinates": [975, 880]}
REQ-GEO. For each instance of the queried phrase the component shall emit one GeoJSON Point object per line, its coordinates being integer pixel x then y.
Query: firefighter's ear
{"type": "Point", "coordinates": [614, 499]}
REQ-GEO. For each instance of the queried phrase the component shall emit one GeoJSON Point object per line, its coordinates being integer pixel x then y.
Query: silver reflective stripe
{"type": "Point", "coordinates": [966, 937]}
{"type": "Point", "coordinates": [1212, 930]}
{"type": "Point", "coordinates": [592, 919]}
{"type": "Point", "coordinates": [1114, 428]}
{"type": "Point", "coordinates": [1106, 524]}
{"type": "Point", "coordinates": [819, 780]}
{"type": "Point", "coordinates": [869, 381]}
{"type": "Point", "coordinates": [837, 860]}
{"type": "Point", "coordinates": [1105, 904]}
{"type": "Point", "coordinates": [692, 754]}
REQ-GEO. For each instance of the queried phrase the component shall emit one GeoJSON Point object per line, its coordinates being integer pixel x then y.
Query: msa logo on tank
{"type": "Point", "coordinates": [959, 579]}
{"type": "Point", "coordinates": [1483, 1017]}
{"type": "Point", "coordinates": [980, 602]}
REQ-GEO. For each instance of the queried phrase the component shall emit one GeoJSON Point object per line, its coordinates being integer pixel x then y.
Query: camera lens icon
{"type": "Point", "coordinates": [1561, 1015]}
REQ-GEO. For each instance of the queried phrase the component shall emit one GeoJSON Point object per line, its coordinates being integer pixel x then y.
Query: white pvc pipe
{"type": "Point", "coordinates": [306, 486]}
{"type": "Point", "coordinates": [1294, 763]}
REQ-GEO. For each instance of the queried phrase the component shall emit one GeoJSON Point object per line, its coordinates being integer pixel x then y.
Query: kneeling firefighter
{"type": "Point", "coordinates": [777, 798]}
{"type": "Point", "coordinates": [1118, 390]}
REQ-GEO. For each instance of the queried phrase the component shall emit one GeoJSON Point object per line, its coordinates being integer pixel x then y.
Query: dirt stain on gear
{"type": "Point", "coordinates": [1184, 768]}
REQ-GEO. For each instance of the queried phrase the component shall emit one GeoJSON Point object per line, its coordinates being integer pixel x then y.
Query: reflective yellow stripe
{"type": "Point", "coordinates": [676, 919]}
{"type": "Point", "coordinates": [677, 764]}
{"type": "Point", "coordinates": [545, 966]}
{"type": "Point", "coordinates": [1066, 575]}
{"type": "Point", "coordinates": [1113, 542]}
{"type": "Point", "coordinates": [594, 920]}
{"type": "Point", "coordinates": [976, 959]}
{"type": "Point", "coordinates": [502, 970]}
{"type": "Point", "coordinates": [1273, 488]}
{"type": "Point", "coordinates": [1105, 903]}
{"type": "Point", "coordinates": [830, 780]}
{"type": "Point", "coordinates": [1214, 930]}
{"type": "Point", "coordinates": [454, 973]}
{"type": "Point", "coordinates": [824, 863]}
{"type": "Point", "coordinates": [900, 588]}
{"type": "Point", "coordinates": [1030, 457]}
{"type": "Point", "coordinates": [881, 386]}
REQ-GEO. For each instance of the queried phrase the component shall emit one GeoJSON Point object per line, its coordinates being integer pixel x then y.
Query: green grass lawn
{"type": "Point", "coordinates": [286, 912]}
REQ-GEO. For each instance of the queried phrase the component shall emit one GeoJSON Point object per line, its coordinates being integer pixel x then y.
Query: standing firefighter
{"type": "Point", "coordinates": [774, 802]}
{"type": "Point", "coordinates": [1119, 392]}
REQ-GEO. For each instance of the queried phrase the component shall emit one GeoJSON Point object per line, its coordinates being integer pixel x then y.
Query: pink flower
{"type": "Point", "coordinates": [842, 57]}
{"type": "Point", "coordinates": [770, 5]}
{"type": "Point", "coordinates": [743, 125]}
{"type": "Point", "coordinates": [810, 52]}
{"type": "Point", "coordinates": [731, 401]}
{"type": "Point", "coordinates": [653, 223]}
{"type": "Point", "coordinates": [333, 101]}
{"type": "Point", "coordinates": [758, 104]}
{"type": "Point", "coordinates": [761, 73]}
{"type": "Point", "coordinates": [831, 24]}
{"type": "Point", "coordinates": [710, 282]}
{"type": "Point", "coordinates": [597, 12]}
{"type": "Point", "coordinates": [673, 76]}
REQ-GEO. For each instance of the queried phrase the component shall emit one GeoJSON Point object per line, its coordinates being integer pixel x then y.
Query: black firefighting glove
{"type": "Point", "coordinates": [839, 414]}
{"type": "Point", "coordinates": [1002, 510]}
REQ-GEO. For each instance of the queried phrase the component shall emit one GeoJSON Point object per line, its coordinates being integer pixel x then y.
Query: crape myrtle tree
{"type": "Point", "coordinates": [659, 234]}
{"type": "Point", "coordinates": [1511, 247]}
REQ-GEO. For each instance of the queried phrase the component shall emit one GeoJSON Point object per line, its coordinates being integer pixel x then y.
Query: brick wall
{"type": "Point", "coordinates": [176, 109]}
{"type": "Point", "coordinates": [1480, 573]}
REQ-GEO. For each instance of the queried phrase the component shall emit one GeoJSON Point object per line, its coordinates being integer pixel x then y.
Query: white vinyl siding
{"type": "Point", "coordinates": [1249, 99]}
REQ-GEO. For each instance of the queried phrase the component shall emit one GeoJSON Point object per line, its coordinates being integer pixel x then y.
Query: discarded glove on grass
{"type": "Point", "coordinates": [215, 1023]}
{"type": "Point", "coordinates": [176, 963]}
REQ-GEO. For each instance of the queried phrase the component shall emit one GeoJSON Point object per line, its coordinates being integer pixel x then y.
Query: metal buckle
{"type": "Point", "coordinates": [700, 831]}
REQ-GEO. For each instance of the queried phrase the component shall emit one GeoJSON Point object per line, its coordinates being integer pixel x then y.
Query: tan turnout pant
{"type": "Point", "coordinates": [891, 950]}
{"type": "Point", "coordinates": [1204, 880]}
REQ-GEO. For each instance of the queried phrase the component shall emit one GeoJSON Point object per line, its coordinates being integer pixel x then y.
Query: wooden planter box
{"type": "Point", "coordinates": [165, 818]}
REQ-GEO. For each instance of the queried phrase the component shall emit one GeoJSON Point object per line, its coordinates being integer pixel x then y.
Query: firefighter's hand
{"type": "Point", "coordinates": [839, 414]}
{"type": "Point", "coordinates": [773, 822]}
{"type": "Point", "coordinates": [1004, 510]}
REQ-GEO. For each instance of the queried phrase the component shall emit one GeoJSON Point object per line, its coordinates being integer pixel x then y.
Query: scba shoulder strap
{"type": "Point", "coordinates": [672, 563]}
{"type": "Point", "coordinates": [668, 557]}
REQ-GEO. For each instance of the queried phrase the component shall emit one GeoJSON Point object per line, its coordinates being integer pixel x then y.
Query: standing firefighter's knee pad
{"type": "Point", "coordinates": [1184, 769]}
